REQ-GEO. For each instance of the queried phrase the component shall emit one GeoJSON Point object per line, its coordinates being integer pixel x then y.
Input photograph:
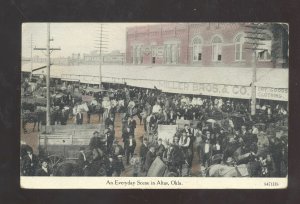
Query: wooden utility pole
{"type": "Point", "coordinates": [101, 43]}
{"type": "Point", "coordinates": [255, 36]}
{"type": "Point", "coordinates": [48, 75]}
{"type": "Point", "coordinates": [30, 57]}
{"type": "Point", "coordinates": [48, 53]}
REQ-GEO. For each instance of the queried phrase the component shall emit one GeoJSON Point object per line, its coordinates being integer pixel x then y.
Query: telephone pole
{"type": "Point", "coordinates": [31, 42]}
{"type": "Point", "coordinates": [255, 37]}
{"type": "Point", "coordinates": [101, 42]}
{"type": "Point", "coordinates": [48, 53]}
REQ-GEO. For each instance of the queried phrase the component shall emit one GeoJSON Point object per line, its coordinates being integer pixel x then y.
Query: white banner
{"type": "Point", "coordinates": [166, 132]}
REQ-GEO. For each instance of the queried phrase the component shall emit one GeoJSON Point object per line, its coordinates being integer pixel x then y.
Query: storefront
{"type": "Point", "coordinates": [228, 82]}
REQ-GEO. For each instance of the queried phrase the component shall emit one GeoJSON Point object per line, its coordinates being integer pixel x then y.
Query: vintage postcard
{"type": "Point", "coordinates": [154, 105]}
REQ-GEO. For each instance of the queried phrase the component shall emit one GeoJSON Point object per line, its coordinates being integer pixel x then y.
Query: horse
{"type": "Point", "coordinates": [247, 166]}
{"type": "Point", "coordinates": [96, 163]}
{"type": "Point", "coordinates": [28, 106]}
{"type": "Point", "coordinates": [95, 108]}
{"type": "Point", "coordinates": [33, 117]}
{"type": "Point", "coordinates": [251, 169]}
{"type": "Point", "coordinates": [67, 169]}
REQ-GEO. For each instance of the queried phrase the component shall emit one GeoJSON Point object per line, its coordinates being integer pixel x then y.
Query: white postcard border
{"type": "Point", "coordinates": [151, 183]}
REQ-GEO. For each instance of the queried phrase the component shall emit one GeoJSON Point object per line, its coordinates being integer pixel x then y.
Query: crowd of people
{"type": "Point", "coordinates": [215, 130]}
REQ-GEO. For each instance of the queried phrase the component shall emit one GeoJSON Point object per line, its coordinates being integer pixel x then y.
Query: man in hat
{"type": "Point", "coordinates": [153, 122]}
{"type": "Point", "coordinates": [118, 165]}
{"type": "Point", "coordinates": [44, 170]}
{"type": "Point", "coordinates": [160, 148]}
{"type": "Point", "coordinates": [30, 163]}
{"type": "Point", "coordinates": [116, 149]}
{"type": "Point", "coordinates": [135, 162]}
{"type": "Point", "coordinates": [129, 145]}
{"type": "Point", "coordinates": [82, 159]}
{"type": "Point", "coordinates": [110, 134]}
{"type": "Point", "coordinates": [109, 121]}
{"type": "Point", "coordinates": [143, 152]}
{"type": "Point", "coordinates": [171, 115]}
{"type": "Point", "coordinates": [230, 148]}
{"type": "Point", "coordinates": [103, 143]}
{"type": "Point", "coordinates": [95, 141]}
{"type": "Point", "coordinates": [206, 149]}
{"type": "Point", "coordinates": [176, 157]}
{"type": "Point", "coordinates": [149, 158]}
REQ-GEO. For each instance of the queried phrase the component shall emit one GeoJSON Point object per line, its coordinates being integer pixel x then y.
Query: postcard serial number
{"type": "Point", "coordinates": [271, 183]}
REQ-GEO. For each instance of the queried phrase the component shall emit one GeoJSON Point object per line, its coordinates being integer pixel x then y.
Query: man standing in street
{"type": "Point", "coordinates": [30, 164]}
{"type": "Point", "coordinates": [149, 158]}
{"type": "Point", "coordinates": [129, 145]}
{"type": "Point", "coordinates": [135, 162]}
{"type": "Point", "coordinates": [143, 152]}
{"type": "Point", "coordinates": [44, 170]}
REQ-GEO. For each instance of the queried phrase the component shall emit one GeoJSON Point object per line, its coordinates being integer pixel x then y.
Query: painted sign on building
{"type": "Point", "coordinates": [159, 51]}
{"type": "Point", "coordinates": [279, 94]}
{"type": "Point", "coordinates": [195, 88]}
{"type": "Point", "coordinates": [147, 50]}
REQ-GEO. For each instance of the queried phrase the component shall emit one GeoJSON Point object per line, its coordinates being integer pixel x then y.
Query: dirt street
{"type": "Point", "coordinates": [31, 138]}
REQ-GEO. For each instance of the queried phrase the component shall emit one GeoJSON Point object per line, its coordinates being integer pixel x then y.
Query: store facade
{"type": "Point", "coordinates": [203, 45]}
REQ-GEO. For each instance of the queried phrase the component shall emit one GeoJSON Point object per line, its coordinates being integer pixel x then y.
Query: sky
{"type": "Point", "coordinates": [73, 37]}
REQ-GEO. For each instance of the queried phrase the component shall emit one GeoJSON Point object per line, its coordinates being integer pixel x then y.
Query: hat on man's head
{"type": "Point", "coordinates": [229, 160]}
{"type": "Point", "coordinates": [95, 132]}
{"type": "Point", "coordinates": [44, 159]}
{"type": "Point", "coordinates": [102, 138]}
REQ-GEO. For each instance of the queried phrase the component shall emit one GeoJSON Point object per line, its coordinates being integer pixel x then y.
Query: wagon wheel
{"type": "Point", "coordinates": [54, 160]}
{"type": "Point", "coordinates": [101, 171]}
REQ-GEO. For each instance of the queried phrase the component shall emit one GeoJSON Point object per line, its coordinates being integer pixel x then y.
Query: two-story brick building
{"type": "Point", "coordinates": [204, 45]}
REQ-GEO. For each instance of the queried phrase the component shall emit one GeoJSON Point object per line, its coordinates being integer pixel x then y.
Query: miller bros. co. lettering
{"type": "Point", "coordinates": [174, 85]}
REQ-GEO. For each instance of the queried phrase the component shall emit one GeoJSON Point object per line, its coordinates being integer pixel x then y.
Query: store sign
{"type": "Point", "coordinates": [147, 50]}
{"type": "Point", "coordinates": [195, 88]}
{"type": "Point", "coordinates": [159, 51]}
{"type": "Point", "coordinates": [166, 132]}
{"type": "Point", "coordinates": [279, 94]}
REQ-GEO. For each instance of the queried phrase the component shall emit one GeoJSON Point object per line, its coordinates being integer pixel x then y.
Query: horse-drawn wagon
{"type": "Point", "coordinates": [63, 144]}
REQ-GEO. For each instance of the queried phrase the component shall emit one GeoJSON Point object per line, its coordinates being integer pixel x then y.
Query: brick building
{"type": "Point", "coordinates": [204, 44]}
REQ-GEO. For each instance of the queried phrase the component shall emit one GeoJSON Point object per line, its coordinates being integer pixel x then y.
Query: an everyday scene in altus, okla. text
{"type": "Point", "coordinates": [154, 99]}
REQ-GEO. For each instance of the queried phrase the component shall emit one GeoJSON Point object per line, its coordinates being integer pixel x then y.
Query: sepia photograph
{"type": "Point", "coordinates": [159, 105]}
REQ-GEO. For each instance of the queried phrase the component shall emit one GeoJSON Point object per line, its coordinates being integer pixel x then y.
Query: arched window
{"type": "Point", "coordinates": [239, 51]}
{"type": "Point", "coordinates": [216, 49]}
{"type": "Point", "coordinates": [197, 49]}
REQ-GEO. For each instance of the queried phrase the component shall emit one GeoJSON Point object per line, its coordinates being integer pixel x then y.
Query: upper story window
{"type": "Point", "coordinates": [264, 48]}
{"type": "Point", "coordinates": [171, 52]}
{"type": "Point", "coordinates": [137, 54]}
{"type": "Point", "coordinates": [217, 49]}
{"type": "Point", "coordinates": [239, 47]}
{"type": "Point", "coordinates": [197, 49]}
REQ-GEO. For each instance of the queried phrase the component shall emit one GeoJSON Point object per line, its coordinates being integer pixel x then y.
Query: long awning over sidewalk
{"type": "Point", "coordinates": [233, 82]}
